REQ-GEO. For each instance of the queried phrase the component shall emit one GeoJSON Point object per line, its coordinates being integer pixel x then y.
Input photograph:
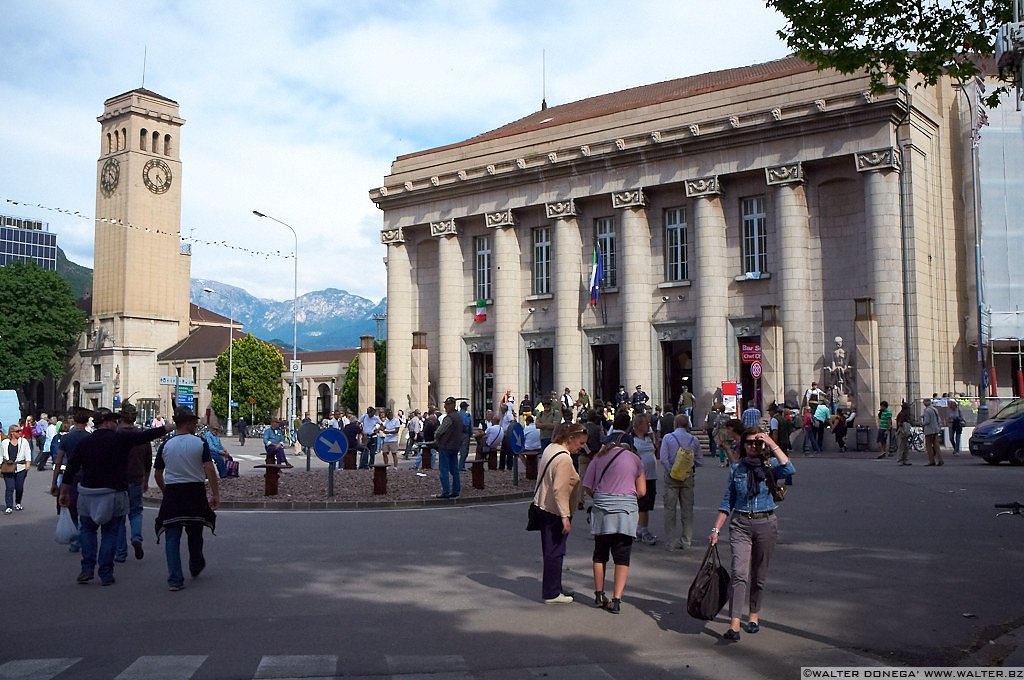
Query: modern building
{"type": "Point", "coordinates": [27, 240]}
{"type": "Point", "coordinates": [756, 212]}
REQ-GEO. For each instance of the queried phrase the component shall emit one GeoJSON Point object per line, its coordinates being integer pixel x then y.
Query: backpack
{"type": "Point", "coordinates": [682, 466]}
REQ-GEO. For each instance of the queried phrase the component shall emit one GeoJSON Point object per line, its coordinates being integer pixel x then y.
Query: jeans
{"type": "Point", "coordinates": [134, 521]}
{"type": "Point", "coordinates": [14, 487]}
{"type": "Point", "coordinates": [218, 461]}
{"type": "Point", "coordinates": [104, 552]}
{"type": "Point", "coordinates": [811, 437]}
{"type": "Point", "coordinates": [367, 457]}
{"type": "Point", "coordinates": [552, 545]}
{"type": "Point", "coordinates": [956, 431]}
{"type": "Point", "coordinates": [172, 540]}
{"type": "Point", "coordinates": [464, 451]}
{"type": "Point", "coordinates": [448, 462]}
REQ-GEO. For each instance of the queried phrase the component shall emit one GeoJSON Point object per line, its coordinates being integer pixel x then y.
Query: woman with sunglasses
{"type": "Point", "coordinates": [753, 530]}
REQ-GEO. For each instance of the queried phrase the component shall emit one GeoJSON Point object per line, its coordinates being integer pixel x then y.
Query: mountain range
{"type": "Point", "coordinates": [328, 319]}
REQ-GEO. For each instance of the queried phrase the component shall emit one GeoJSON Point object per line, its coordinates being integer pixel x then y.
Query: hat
{"type": "Point", "coordinates": [128, 409]}
{"type": "Point", "coordinates": [450, 400]}
{"type": "Point", "coordinates": [183, 414]}
{"type": "Point", "coordinates": [102, 415]}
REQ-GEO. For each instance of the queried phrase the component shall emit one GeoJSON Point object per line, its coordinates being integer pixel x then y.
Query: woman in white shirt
{"type": "Point", "coordinates": [16, 452]}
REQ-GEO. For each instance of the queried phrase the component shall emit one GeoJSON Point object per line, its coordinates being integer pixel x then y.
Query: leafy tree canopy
{"type": "Point", "coordinates": [896, 37]}
{"type": "Point", "coordinates": [256, 369]}
{"type": "Point", "coordinates": [43, 324]}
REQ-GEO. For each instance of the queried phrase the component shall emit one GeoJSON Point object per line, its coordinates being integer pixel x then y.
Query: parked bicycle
{"type": "Point", "coordinates": [916, 441]}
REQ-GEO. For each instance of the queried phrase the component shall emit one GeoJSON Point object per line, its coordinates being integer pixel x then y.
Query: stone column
{"type": "Point", "coordinates": [773, 364]}
{"type": "Point", "coordinates": [794, 293]}
{"type": "Point", "coordinates": [367, 395]}
{"type": "Point", "coordinates": [451, 309]}
{"type": "Point", "coordinates": [882, 257]}
{"type": "Point", "coordinates": [418, 397]}
{"type": "Point", "coordinates": [635, 291]}
{"type": "Point", "coordinates": [401, 315]}
{"type": "Point", "coordinates": [507, 303]}
{"type": "Point", "coordinates": [865, 362]}
{"type": "Point", "coordinates": [568, 267]}
{"type": "Point", "coordinates": [712, 340]}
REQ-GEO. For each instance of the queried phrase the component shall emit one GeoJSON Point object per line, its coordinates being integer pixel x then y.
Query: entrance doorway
{"type": "Point", "coordinates": [542, 373]}
{"type": "Point", "coordinates": [677, 360]}
{"type": "Point", "coordinates": [323, 402]}
{"type": "Point", "coordinates": [751, 388]}
{"type": "Point", "coordinates": [482, 374]}
{"type": "Point", "coordinates": [606, 372]}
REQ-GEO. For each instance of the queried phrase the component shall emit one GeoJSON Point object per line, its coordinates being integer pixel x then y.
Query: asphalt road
{"type": "Point", "coordinates": [877, 564]}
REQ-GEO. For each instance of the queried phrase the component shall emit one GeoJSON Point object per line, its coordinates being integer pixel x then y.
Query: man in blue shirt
{"type": "Point", "coordinates": [467, 434]}
{"type": "Point", "coordinates": [679, 494]}
{"type": "Point", "coordinates": [273, 443]}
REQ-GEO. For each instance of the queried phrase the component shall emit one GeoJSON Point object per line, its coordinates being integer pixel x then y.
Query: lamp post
{"type": "Point", "coordinates": [295, 313]}
{"type": "Point", "coordinates": [231, 347]}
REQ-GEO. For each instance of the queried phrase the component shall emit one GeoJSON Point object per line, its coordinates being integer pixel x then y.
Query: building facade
{"type": "Point", "coordinates": [759, 212]}
{"type": "Point", "coordinates": [26, 240]}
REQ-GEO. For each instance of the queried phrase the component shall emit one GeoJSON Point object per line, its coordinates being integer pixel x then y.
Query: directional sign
{"type": "Point", "coordinates": [517, 438]}
{"type": "Point", "coordinates": [755, 370]}
{"type": "Point", "coordinates": [308, 433]}
{"type": "Point", "coordinates": [331, 445]}
{"type": "Point", "coordinates": [175, 380]}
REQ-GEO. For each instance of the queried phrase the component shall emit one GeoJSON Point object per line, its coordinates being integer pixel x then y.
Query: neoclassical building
{"type": "Point", "coordinates": [771, 205]}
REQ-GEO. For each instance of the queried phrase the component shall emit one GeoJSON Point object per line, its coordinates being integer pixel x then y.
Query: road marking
{"type": "Point", "coordinates": [162, 668]}
{"type": "Point", "coordinates": [310, 666]}
{"type": "Point", "coordinates": [35, 669]}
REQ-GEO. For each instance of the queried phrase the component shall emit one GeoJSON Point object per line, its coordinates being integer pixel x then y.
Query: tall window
{"type": "Point", "coordinates": [541, 260]}
{"type": "Point", "coordinates": [482, 272]}
{"type": "Point", "coordinates": [675, 245]}
{"type": "Point", "coordinates": [604, 233]}
{"type": "Point", "coordinates": [755, 237]}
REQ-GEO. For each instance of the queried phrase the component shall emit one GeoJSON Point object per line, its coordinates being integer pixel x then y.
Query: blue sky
{"type": "Point", "coordinates": [298, 108]}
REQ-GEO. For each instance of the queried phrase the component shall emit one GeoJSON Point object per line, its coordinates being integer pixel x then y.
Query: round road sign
{"type": "Point", "coordinates": [755, 370]}
{"type": "Point", "coordinates": [330, 446]}
{"type": "Point", "coordinates": [308, 432]}
{"type": "Point", "coordinates": [517, 438]}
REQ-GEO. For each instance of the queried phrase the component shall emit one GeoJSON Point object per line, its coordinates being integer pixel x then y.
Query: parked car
{"type": "Point", "coordinates": [1002, 436]}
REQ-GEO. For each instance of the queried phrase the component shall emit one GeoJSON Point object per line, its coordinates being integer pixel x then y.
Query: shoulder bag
{"type": "Point", "coordinates": [533, 512]}
{"type": "Point", "coordinates": [710, 589]}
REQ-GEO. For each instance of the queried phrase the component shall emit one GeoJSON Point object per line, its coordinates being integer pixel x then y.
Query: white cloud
{"type": "Point", "coordinates": [298, 108]}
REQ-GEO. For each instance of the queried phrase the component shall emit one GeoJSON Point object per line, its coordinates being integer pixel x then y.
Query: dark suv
{"type": "Point", "coordinates": [1002, 436]}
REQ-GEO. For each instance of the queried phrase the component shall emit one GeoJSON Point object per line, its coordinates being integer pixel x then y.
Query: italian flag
{"type": "Point", "coordinates": [596, 274]}
{"type": "Point", "coordinates": [481, 311]}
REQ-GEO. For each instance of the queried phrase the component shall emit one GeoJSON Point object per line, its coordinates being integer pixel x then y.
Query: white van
{"type": "Point", "coordinates": [10, 409]}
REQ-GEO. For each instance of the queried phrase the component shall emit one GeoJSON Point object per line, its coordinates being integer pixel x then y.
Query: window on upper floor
{"type": "Point", "coordinates": [143, 134]}
{"type": "Point", "coordinates": [604, 236]}
{"type": "Point", "coordinates": [755, 235]}
{"type": "Point", "coordinates": [541, 260]}
{"type": "Point", "coordinates": [482, 269]}
{"type": "Point", "coordinates": [676, 265]}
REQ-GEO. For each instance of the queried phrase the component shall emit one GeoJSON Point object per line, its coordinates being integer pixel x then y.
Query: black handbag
{"type": "Point", "coordinates": [533, 512]}
{"type": "Point", "coordinates": [710, 589]}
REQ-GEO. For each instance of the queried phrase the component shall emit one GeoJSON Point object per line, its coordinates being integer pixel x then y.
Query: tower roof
{"type": "Point", "coordinates": [143, 91]}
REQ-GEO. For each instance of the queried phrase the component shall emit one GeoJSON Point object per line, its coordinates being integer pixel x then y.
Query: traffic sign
{"type": "Point", "coordinates": [517, 438]}
{"type": "Point", "coordinates": [175, 380]}
{"type": "Point", "coordinates": [750, 352]}
{"type": "Point", "coordinates": [252, 401]}
{"type": "Point", "coordinates": [755, 370]}
{"type": "Point", "coordinates": [330, 446]}
{"type": "Point", "coordinates": [295, 365]}
{"type": "Point", "coordinates": [184, 389]}
{"type": "Point", "coordinates": [308, 433]}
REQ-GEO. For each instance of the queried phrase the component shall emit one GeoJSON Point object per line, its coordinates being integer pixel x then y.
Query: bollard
{"type": "Point", "coordinates": [348, 462]}
{"type": "Point", "coordinates": [530, 459]}
{"type": "Point", "coordinates": [426, 458]}
{"type": "Point", "coordinates": [271, 477]}
{"type": "Point", "coordinates": [477, 478]}
{"type": "Point", "coordinates": [380, 479]}
{"type": "Point", "coordinates": [492, 459]}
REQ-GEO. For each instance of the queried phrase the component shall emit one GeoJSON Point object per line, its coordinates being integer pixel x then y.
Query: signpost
{"type": "Point", "coordinates": [330, 446]}
{"type": "Point", "coordinates": [307, 437]}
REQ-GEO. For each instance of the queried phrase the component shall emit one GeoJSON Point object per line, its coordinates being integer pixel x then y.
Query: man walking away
{"type": "Point", "coordinates": [183, 465]}
{"type": "Point", "coordinates": [140, 462]}
{"type": "Point", "coordinates": [679, 493]}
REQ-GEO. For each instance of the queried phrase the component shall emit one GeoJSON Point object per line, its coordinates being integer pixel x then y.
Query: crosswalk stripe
{"type": "Point", "coordinates": [162, 668]}
{"type": "Point", "coordinates": [410, 667]}
{"type": "Point", "coordinates": [288, 667]}
{"type": "Point", "coordinates": [35, 669]}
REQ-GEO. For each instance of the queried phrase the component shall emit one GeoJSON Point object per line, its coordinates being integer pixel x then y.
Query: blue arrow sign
{"type": "Point", "coordinates": [517, 438]}
{"type": "Point", "coordinates": [330, 446]}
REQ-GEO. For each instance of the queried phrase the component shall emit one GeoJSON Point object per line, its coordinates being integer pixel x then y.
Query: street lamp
{"type": "Point", "coordinates": [295, 313]}
{"type": "Point", "coordinates": [231, 347]}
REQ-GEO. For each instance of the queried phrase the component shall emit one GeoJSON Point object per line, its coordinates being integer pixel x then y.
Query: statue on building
{"type": "Point", "coordinates": [838, 374]}
{"type": "Point", "coordinates": [117, 380]}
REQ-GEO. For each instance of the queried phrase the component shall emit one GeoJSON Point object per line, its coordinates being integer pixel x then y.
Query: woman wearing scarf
{"type": "Point", "coordinates": [753, 530]}
{"type": "Point", "coordinates": [615, 478]}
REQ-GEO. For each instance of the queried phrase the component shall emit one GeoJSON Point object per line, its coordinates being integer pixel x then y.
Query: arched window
{"type": "Point", "coordinates": [117, 140]}
{"type": "Point", "coordinates": [76, 392]}
{"type": "Point", "coordinates": [167, 145]}
{"type": "Point", "coordinates": [156, 141]}
{"type": "Point", "coordinates": [142, 139]}
{"type": "Point", "coordinates": [124, 138]}
{"type": "Point", "coordinates": [110, 143]}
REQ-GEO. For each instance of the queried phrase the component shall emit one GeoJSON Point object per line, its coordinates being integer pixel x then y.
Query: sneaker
{"type": "Point", "coordinates": [108, 582]}
{"type": "Point", "coordinates": [197, 569]}
{"type": "Point", "coordinates": [751, 627]}
{"type": "Point", "coordinates": [614, 606]}
{"type": "Point", "coordinates": [731, 635]}
{"type": "Point", "coordinates": [176, 587]}
{"type": "Point", "coordinates": [649, 539]}
{"type": "Point", "coordinates": [559, 599]}
{"type": "Point", "coordinates": [8, 511]}
{"type": "Point", "coordinates": [18, 507]}
{"type": "Point", "coordinates": [85, 577]}
{"type": "Point", "coordinates": [137, 546]}
{"type": "Point", "coordinates": [600, 599]}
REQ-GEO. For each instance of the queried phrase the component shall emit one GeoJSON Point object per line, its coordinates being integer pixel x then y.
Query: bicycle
{"type": "Point", "coordinates": [1009, 508]}
{"type": "Point", "coordinates": [916, 440]}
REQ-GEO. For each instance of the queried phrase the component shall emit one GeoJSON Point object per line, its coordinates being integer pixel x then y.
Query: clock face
{"type": "Point", "coordinates": [109, 175]}
{"type": "Point", "coordinates": [157, 176]}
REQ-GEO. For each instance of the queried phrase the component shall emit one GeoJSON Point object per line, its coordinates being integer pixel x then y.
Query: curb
{"type": "Point", "coordinates": [361, 505]}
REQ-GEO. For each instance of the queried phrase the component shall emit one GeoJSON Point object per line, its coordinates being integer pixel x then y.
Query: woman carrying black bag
{"type": "Point", "coordinates": [753, 530]}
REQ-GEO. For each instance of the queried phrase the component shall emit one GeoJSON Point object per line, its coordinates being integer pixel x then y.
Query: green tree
{"type": "Point", "coordinates": [896, 37]}
{"type": "Point", "coordinates": [256, 369]}
{"type": "Point", "coordinates": [43, 324]}
{"type": "Point", "coordinates": [349, 396]}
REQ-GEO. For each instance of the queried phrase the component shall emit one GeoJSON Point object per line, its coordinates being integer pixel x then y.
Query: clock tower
{"type": "Point", "coordinates": [140, 289]}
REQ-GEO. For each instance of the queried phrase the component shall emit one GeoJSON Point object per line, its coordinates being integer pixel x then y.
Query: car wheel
{"type": "Point", "coordinates": [1017, 456]}
{"type": "Point", "coordinates": [992, 460]}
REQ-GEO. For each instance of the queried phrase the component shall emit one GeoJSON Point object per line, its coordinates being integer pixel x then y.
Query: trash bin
{"type": "Point", "coordinates": [863, 438]}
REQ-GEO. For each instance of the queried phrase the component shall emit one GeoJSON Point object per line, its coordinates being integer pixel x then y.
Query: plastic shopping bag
{"type": "Point", "coordinates": [66, 529]}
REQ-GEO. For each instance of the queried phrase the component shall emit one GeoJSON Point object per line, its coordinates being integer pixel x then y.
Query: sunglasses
{"type": "Point", "coordinates": [753, 442]}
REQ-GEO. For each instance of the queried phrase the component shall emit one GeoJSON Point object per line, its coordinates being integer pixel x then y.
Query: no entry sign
{"type": "Point", "coordinates": [755, 370]}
